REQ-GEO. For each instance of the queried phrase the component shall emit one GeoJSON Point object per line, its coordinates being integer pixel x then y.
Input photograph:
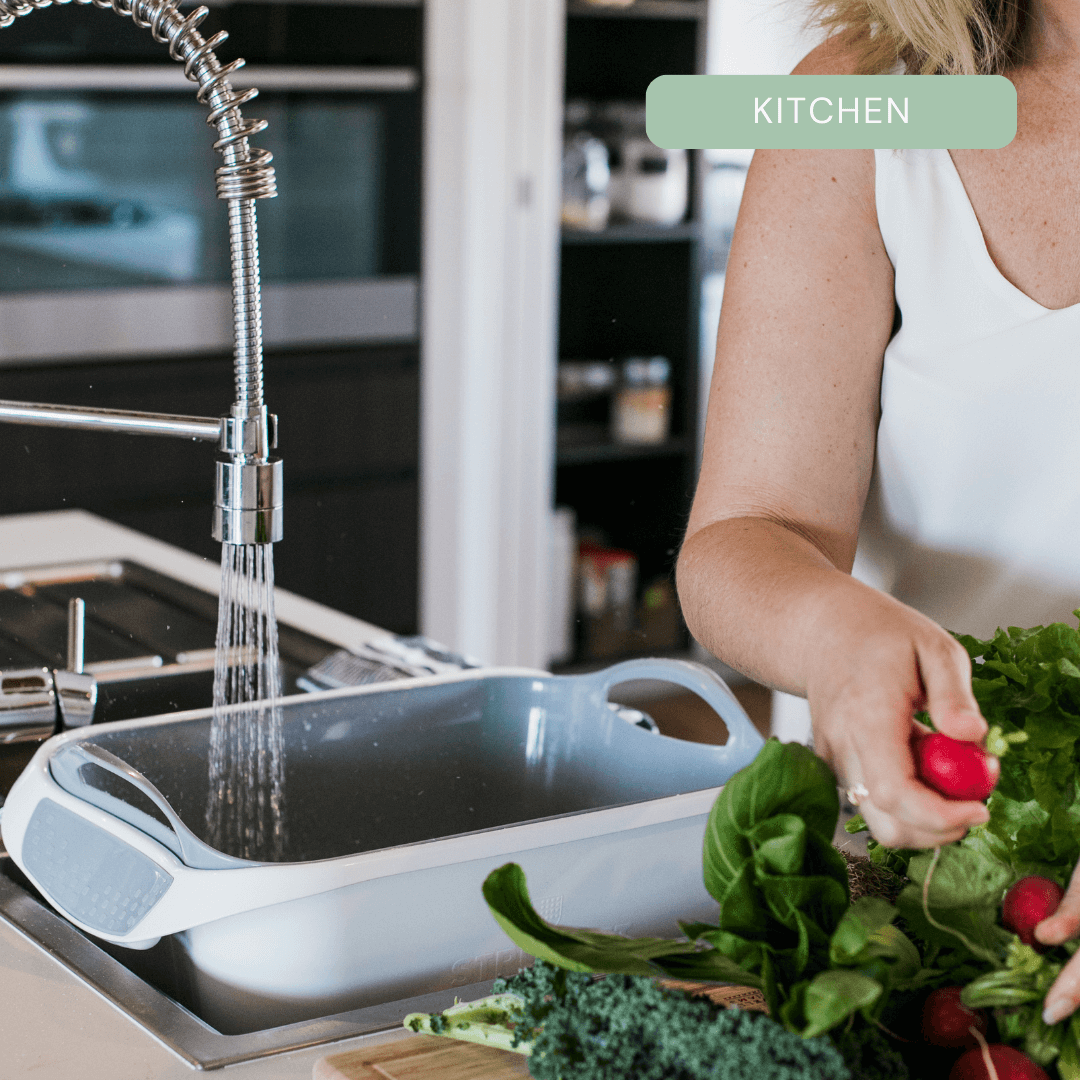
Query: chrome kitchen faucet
{"type": "Point", "coordinates": [248, 481]}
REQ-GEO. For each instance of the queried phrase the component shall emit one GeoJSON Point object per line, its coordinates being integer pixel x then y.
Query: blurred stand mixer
{"type": "Point", "coordinates": [248, 480]}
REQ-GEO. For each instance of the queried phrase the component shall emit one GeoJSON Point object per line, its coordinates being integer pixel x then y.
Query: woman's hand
{"type": "Point", "coordinates": [879, 663]}
{"type": "Point", "coordinates": [866, 662]}
{"type": "Point", "coordinates": [1063, 997]}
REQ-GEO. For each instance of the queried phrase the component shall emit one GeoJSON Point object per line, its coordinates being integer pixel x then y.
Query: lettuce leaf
{"type": "Point", "coordinates": [1028, 681]}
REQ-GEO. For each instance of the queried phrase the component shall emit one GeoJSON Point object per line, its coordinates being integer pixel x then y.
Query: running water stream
{"type": "Point", "coordinates": [245, 809]}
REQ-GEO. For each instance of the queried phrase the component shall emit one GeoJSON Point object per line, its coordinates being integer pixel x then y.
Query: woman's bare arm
{"type": "Point", "coordinates": [764, 574]}
{"type": "Point", "coordinates": [808, 308]}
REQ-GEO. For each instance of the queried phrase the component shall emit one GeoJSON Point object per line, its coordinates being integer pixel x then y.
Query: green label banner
{"type": "Point", "coordinates": [794, 112]}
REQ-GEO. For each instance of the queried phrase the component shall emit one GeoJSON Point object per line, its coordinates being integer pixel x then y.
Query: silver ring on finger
{"type": "Point", "coordinates": [856, 793]}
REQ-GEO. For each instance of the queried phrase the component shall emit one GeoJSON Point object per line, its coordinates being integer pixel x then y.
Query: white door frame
{"type": "Point", "coordinates": [492, 148]}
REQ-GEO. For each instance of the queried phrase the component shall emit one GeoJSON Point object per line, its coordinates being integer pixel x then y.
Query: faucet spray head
{"type": "Point", "coordinates": [248, 497]}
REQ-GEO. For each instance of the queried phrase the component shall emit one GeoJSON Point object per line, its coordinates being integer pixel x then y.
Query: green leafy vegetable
{"type": "Point", "coordinates": [1027, 684]}
{"type": "Point", "coordinates": [785, 924]}
{"type": "Point", "coordinates": [573, 1028]}
{"type": "Point", "coordinates": [769, 860]}
{"type": "Point", "coordinates": [962, 902]}
{"type": "Point", "coordinates": [507, 895]}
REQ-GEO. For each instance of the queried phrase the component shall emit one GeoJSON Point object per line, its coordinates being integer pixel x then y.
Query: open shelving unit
{"type": "Point", "coordinates": [634, 290]}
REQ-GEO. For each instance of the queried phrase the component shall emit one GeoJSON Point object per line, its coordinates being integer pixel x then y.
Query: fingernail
{"type": "Point", "coordinates": [1055, 1011]}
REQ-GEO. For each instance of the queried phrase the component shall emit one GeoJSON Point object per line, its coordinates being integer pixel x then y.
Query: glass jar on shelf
{"type": "Point", "coordinates": [585, 388]}
{"type": "Point", "coordinates": [586, 172]}
{"type": "Point", "coordinates": [641, 410]}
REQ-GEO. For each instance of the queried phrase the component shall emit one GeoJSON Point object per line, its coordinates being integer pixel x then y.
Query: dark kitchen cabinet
{"type": "Point", "coordinates": [349, 438]}
{"type": "Point", "coordinates": [634, 289]}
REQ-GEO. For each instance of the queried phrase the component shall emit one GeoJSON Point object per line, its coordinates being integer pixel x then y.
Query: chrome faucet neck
{"type": "Point", "coordinates": [248, 488]}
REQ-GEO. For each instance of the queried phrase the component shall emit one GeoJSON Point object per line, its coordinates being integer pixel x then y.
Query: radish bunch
{"type": "Point", "coordinates": [1009, 1064]}
{"type": "Point", "coordinates": [965, 771]}
{"type": "Point", "coordinates": [946, 1021]}
{"type": "Point", "coordinates": [953, 768]}
{"type": "Point", "coordinates": [1027, 903]}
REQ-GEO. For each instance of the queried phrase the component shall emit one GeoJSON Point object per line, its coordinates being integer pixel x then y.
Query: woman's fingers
{"type": "Point", "coordinates": [1063, 997]}
{"type": "Point", "coordinates": [917, 818]}
{"type": "Point", "coordinates": [864, 694]}
{"type": "Point", "coordinates": [1065, 922]}
{"type": "Point", "coordinates": [901, 811]}
{"type": "Point", "coordinates": [945, 669]}
{"type": "Point", "coordinates": [896, 833]}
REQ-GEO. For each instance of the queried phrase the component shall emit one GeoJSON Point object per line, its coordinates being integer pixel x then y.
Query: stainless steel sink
{"type": "Point", "coordinates": [149, 642]}
{"type": "Point", "coordinates": [147, 988]}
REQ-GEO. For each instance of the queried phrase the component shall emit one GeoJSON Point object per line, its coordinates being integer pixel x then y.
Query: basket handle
{"type": "Point", "coordinates": [703, 681]}
{"type": "Point", "coordinates": [67, 765]}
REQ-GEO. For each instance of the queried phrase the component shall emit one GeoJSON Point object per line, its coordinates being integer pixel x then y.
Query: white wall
{"type": "Point", "coordinates": [493, 123]}
{"type": "Point", "coordinates": [757, 37]}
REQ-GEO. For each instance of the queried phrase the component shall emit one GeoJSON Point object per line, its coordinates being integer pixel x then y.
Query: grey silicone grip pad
{"type": "Point", "coordinates": [94, 877]}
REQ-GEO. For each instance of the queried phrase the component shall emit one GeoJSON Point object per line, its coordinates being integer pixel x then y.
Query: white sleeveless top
{"type": "Point", "coordinates": [973, 515]}
{"type": "Point", "coordinates": [974, 512]}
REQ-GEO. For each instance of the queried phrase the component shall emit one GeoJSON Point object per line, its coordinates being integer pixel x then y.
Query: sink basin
{"type": "Point", "coordinates": [149, 638]}
{"type": "Point", "coordinates": [149, 644]}
{"type": "Point", "coordinates": [400, 800]}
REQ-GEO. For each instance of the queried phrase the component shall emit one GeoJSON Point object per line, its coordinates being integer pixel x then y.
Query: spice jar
{"type": "Point", "coordinates": [641, 411]}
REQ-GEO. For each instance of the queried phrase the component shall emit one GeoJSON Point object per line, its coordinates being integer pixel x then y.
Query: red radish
{"type": "Point", "coordinates": [1027, 903]}
{"type": "Point", "coordinates": [962, 771]}
{"type": "Point", "coordinates": [946, 1021]}
{"type": "Point", "coordinates": [1009, 1064]}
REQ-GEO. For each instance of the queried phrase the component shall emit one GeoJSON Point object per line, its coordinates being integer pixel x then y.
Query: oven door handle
{"type": "Point", "coordinates": [170, 78]}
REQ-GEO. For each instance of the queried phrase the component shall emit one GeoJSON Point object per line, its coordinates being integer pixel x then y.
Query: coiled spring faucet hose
{"type": "Point", "coordinates": [248, 482]}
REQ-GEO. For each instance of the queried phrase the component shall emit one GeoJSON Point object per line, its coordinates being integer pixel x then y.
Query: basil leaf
{"type": "Point", "coordinates": [507, 896]}
{"type": "Point", "coordinates": [964, 897]}
{"type": "Point", "coordinates": [784, 779]}
{"type": "Point", "coordinates": [708, 966]}
{"type": "Point", "coordinates": [866, 939]}
{"type": "Point", "coordinates": [749, 955]}
{"type": "Point", "coordinates": [569, 947]}
{"type": "Point", "coordinates": [906, 971]}
{"type": "Point", "coordinates": [832, 996]}
{"type": "Point", "coordinates": [861, 921]}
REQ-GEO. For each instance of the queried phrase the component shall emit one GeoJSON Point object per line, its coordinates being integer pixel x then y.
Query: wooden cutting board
{"type": "Point", "coordinates": [427, 1057]}
{"type": "Point", "coordinates": [423, 1057]}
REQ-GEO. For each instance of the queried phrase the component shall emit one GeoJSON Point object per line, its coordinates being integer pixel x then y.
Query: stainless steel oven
{"type": "Point", "coordinates": [113, 243]}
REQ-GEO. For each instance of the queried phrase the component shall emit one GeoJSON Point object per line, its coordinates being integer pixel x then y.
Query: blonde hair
{"type": "Point", "coordinates": [930, 37]}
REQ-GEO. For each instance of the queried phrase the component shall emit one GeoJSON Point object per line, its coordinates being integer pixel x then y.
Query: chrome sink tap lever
{"type": "Point", "coordinates": [248, 488]}
{"type": "Point", "coordinates": [35, 703]}
{"type": "Point", "coordinates": [76, 690]}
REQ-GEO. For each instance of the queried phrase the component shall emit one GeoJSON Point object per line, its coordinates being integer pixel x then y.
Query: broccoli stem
{"type": "Point", "coordinates": [488, 1021]}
